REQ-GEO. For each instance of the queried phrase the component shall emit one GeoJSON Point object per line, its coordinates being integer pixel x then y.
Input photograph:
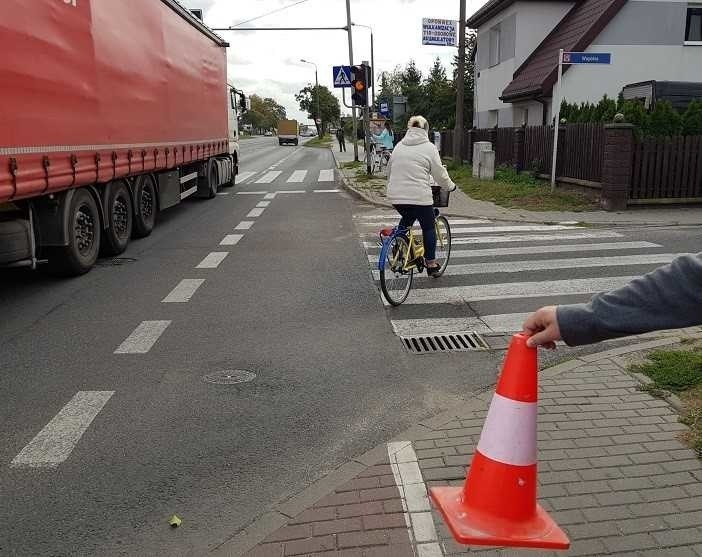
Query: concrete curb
{"type": "Point", "coordinates": [284, 511]}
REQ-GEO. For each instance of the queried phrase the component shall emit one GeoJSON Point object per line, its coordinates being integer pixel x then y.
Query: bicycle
{"type": "Point", "coordinates": [380, 157]}
{"type": "Point", "coordinates": [401, 254]}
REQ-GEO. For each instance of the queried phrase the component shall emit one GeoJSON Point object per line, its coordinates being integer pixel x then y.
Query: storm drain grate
{"type": "Point", "coordinates": [445, 342]}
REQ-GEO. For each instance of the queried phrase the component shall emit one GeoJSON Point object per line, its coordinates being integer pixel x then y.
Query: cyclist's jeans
{"type": "Point", "coordinates": [425, 215]}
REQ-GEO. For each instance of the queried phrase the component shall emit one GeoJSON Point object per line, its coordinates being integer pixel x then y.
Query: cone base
{"type": "Point", "coordinates": [545, 533]}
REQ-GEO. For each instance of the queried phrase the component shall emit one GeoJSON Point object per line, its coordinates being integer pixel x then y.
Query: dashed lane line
{"type": "Point", "coordinates": [263, 204]}
{"type": "Point", "coordinates": [251, 192]}
{"type": "Point", "coordinates": [183, 292]}
{"type": "Point", "coordinates": [255, 212]}
{"type": "Point", "coordinates": [291, 191]}
{"type": "Point", "coordinates": [143, 337]}
{"type": "Point", "coordinates": [231, 239]}
{"type": "Point", "coordinates": [212, 260]}
{"type": "Point", "coordinates": [55, 443]}
{"type": "Point", "coordinates": [327, 191]}
{"type": "Point", "coordinates": [244, 225]}
{"type": "Point", "coordinates": [269, 196]}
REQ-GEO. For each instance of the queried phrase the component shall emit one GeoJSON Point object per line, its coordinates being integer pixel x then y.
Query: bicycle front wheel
{"type": "Point", "coordinates": [443, 243]}
{"type": "Point", "coordinates": [395, 281]}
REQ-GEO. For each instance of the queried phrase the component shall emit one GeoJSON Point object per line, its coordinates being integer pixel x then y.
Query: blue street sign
{"type": "Point", "coordinates": [384, 109]}
{"type": "Point", "coordinates": [587, 58]}
{"type": "Point", "coordinates": [342, 76]}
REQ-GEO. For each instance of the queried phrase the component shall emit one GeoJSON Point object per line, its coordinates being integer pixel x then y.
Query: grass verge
{"type": "Point", "coordinates": [323, 141]}
{"type": "Point", "coordinates": [518, 191]}
{"type": "Point", "coordinates": [680, 372]}
{"type": "Point", "coordinates": [352, 164]}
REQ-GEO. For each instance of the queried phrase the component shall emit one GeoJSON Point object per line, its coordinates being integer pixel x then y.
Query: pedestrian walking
{"type": "Point", "coordinates": [342, 140]}
{"type": "Point", "coordinates": [669, 297]}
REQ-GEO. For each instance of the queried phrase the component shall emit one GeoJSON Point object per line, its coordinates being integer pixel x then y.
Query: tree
{"type": "Point", "coordinates": [264, 114]}
{"type": "Point", "coordinates": [411, 87]}
{"type": "Point", "coordinates": [328, 105]}
{"type": "Point", "coordinates": [665, 120]}
{"type": "Point", "coordinates": [440, 97]}
{"type": "Point", "coordinates": [692, 119]}
{"type": "Point", "coordinates": [469, 78]}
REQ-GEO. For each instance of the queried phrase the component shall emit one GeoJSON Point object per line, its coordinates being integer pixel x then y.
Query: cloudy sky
{"type": "Point", "coordinates": [268, 62]}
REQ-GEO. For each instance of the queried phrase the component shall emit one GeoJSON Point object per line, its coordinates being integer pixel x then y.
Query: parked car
{"type": "Point", "coordinates": [268, 134]}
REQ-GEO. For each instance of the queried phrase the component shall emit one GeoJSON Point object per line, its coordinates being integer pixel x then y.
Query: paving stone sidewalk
{"type": "Point", "coordinates": [612, 472]}
{"type": "Point", "coordinates": [461, 205]}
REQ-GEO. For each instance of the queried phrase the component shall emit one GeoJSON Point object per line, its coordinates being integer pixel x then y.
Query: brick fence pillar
{"type": "Point", "coordinates": [617, 166]}
{"type": "Point", "coordinates": [518, 146]}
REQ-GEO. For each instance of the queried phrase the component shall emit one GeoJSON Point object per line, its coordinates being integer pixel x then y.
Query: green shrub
{"type": "Point", "coordinates": [665, 121]}
{"type": "Point", "coordinates": [692, 119]}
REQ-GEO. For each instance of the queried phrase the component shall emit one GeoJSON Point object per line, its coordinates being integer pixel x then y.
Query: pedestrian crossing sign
{"type": "Point", "coordinates": [342, 76]}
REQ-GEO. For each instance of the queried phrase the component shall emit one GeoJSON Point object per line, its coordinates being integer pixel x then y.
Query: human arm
{"type": "Point", "coordinates": [669, 297]}
{"type": "Point", "coordinates": [439, 172]}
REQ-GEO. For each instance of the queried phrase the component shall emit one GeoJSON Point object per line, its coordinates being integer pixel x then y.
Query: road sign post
{"type": "Point", "coordinates": [571, 58]}
{"type": "Point", "coordinates": [341, 76]}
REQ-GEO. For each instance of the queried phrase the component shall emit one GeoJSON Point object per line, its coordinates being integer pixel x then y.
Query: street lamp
{"type": "Point", "coordinates": [372, 61]}
{"type": "Point", "coordinates": [316, 90]}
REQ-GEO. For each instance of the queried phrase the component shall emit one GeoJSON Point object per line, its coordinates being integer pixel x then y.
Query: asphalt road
{"type": "Point", "coordinates": [293, 301]}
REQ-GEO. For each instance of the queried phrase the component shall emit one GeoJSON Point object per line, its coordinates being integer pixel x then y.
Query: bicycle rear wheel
{"type": "Point", "coordinates": [443, 243]}
{"type": "Point", "coordinates": [395, 282]}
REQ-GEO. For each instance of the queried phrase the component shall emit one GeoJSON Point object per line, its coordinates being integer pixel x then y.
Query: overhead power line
{"type": "Point", "coordinates": [270, 13]}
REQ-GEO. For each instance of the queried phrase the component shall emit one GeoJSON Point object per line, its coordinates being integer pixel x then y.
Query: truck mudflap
{"type": "Point", "coordinates": [15, 242]}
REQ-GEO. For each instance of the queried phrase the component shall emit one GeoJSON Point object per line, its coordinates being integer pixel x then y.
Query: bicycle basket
{"type": "Point", "coordinates": [441, 197]}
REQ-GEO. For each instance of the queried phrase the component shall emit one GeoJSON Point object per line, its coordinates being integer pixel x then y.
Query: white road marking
{"type": "Point", "coordinates": [182, 293]}
{"type": "Point", "coordinates": [231, 239]}
{"type": "Point", "coordinates": [263, 204]}
{"type": "Point", "coordinates": [269, 196]}
{"type": "Point", "coordinates": [482, 292]}
{"type": "Point", "coordinates": [326, 175]}
{"type": "Point", "coordinates": [143, 337]}
{"type": "Point", "coordinates": [212, 260]}
{"type": "Point", "coordinates": [250, 192]}
{"type": "Point", "coordinates": [414, 499]}
{"type": "Point", "coordinates": [54, 444]}
{"type": "Point", "coordinates": [244, 225]}
{"type": "Point", "coordinates": [558, 248]}
{"type": "Point", "coordinates": [368, 221]}
{"type": "Point", "coordinates": [517, 228]}
{"type": "Point", "coordinates": [457, 240]}
{"type": "Point", "coordinates": [547, 264]}
{"type": "Point", "coordinates": [291, 191]}
{"type": "Point", "coordinates": [255, 212]}
{"type": "Point", "coordinates": [297, 176]}
{"type": "Point", "coordinates": [243, 176]}
{"type": "Point", "coordinates": [222, 193]}
{"type": "Point", "coordinates": [327, 191]}
{"type": "Point", "coordinates": [268, 177]}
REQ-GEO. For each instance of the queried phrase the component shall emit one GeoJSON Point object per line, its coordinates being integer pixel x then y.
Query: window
{"type": "Point", "coordinates": [493, 118]}
{"type": "Point", "coordinates": [495, 46]}
{"type": "Point", "coordinates": [693, 25]}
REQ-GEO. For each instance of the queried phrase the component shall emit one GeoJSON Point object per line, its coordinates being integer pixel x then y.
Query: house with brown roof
{"type": "Point", "coordinates": [518, 43]}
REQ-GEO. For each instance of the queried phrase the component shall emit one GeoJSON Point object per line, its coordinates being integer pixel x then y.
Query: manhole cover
{"type": "Point", "coordinates": [230, 377]}
{"type": "Point", "coordinates": [114, 261]}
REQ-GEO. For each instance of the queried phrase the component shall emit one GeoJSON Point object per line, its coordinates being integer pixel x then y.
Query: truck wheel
{"type": "Point", "coordinates": [145, 207]}
{"type": "Point", "coordinates": [84, 232]}
{"type": "Point", "coordinates": [234, 169]}
{"type": "Point", "coordinates": [212, 179]}
{"type": "Point", "coordinates": [119, 216]}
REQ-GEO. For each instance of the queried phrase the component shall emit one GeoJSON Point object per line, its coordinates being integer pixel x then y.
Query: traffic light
{"type": "Point", "coordinates": [359, 82]}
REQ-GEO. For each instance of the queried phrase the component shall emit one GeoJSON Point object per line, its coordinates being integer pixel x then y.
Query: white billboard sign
{"type": "Point", "coordinates": [439, 32]}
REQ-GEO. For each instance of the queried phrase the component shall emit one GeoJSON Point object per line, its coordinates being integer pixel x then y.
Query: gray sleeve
{"type": "Point", "coordinates": [669, 297]}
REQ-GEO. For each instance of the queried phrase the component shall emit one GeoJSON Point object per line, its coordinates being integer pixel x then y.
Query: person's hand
{"type": "Point", "coordinates": [542, 328]}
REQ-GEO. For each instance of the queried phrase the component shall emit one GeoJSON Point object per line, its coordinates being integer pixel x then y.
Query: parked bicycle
{"type": "Point", "coordinates": [402, 253]}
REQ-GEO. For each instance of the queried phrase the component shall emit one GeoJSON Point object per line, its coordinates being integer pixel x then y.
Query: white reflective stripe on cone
{"type": "Point", "coordinates": [509, 433]}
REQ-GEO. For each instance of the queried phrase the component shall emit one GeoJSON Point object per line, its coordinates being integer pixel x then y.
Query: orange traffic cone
{"type": "Point", "coordinates": [497, 505]}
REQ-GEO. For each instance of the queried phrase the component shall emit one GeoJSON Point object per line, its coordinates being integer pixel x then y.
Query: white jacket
{"type": "Point", "coordinates": [414, 160]}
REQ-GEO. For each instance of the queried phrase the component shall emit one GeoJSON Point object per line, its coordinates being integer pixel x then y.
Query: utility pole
{"type": "Point", "coordinates": [460, 86]}
{"type": "Point", "coordinates": [366, 124]}
{"type": "Point", "coordinates": [372, 60]}
{"type": "Point", "coordinates": [353, 110]}
{"type": "Point", "coordinates": [320, 131]}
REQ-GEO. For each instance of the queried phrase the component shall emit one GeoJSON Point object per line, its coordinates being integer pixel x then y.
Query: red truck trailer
{"type": "Point", "coordinates": [110, 111]}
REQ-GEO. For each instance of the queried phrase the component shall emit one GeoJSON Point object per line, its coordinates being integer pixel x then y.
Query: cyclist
{"type": "Point", "coordinates": [386, 138]}
{"type": "Point", "coordinates": [413, 162]}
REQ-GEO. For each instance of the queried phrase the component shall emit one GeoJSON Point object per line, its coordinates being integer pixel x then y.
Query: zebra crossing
{"type": "Point", "coordinates": [501, 272]}
{"type": "Point", "coordinates": [288, 176]}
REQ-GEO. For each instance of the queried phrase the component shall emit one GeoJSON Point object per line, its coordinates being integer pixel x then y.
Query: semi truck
{"type": "Point", "coordinates": [288, 132]}
{"type": "Point", "coordinates": [110, 112]}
